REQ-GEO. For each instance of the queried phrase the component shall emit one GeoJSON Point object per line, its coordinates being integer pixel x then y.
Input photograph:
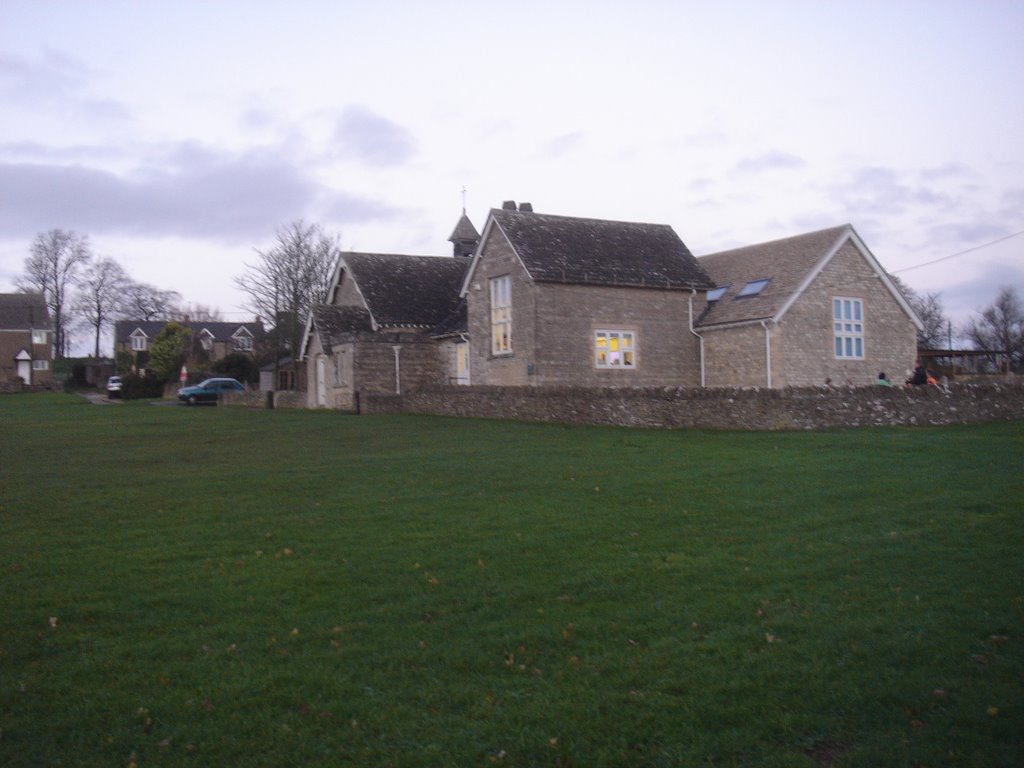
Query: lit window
{"type": "Point", "coordinates": [38, 337]}
{"type": "Point", "coordinates": [752, 288]}
{"type": "Point", "coordinates": [716, 293]}
{"type": "Point", "coordinates": [139, 343]}
{"type": "Point", "coordinates": [848, 328]}
{"type": "Point", "coordinates": [615, 349]}
{"type": "Point", "coordinates": [501, 315]}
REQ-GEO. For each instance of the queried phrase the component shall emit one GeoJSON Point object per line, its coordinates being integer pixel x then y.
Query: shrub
{"type": "Point", "coordinates": [239, 366]}
{"type": "Point", "coordinates": [135, 387]}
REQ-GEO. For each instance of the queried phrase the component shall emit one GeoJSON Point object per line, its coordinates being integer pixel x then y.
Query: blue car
{"type": "Point", "coordinates": [209, 391]}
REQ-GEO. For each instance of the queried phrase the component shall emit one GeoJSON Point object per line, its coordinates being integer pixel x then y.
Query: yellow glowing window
{"type": "Point", "coordinates": [614, 349]}
{"type": "Point", "coordinates": [501, 315]}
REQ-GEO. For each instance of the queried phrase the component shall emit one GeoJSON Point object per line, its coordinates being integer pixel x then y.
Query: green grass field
{"type": "Point", "coordinates": [221, 587]}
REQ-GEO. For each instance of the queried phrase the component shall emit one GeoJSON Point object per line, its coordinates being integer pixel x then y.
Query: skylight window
{"type": "Point", "coordinates": [716, 293]}
{"type": "Point", "coordinates": [752, 288]}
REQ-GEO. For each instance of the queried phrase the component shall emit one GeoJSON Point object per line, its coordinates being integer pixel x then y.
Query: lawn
{"type": "Point", "coordinates": [218, 587]}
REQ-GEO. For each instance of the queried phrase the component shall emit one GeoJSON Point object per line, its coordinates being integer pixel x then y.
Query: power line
{"type": "Point", "coordinates": [954, 255]}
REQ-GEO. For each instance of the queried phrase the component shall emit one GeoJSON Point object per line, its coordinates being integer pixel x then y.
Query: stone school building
{"type": "Point", "coordinates": [539, 300]}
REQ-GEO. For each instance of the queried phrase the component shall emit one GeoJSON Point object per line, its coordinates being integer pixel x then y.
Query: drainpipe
{"type": "Point", "coordinates": [767, 352]}
{"type": "Point", "coordinates": [700, 339]}
{"type": "Point", "coordinates": [398, 369]}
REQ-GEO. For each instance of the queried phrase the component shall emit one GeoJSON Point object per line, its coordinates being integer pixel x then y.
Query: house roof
{"type": "Point", "coordinates": [464, 230]}
{"type": "Point", "coordinates": [788, 265]}
{"type": "Point", "coordinates": [221, 331]}
{"type": "Point", "coordinates": [406, 291]}
{"type": "Point", "coordinates": [23, 311]}
{"type": "Point", "coordinates": [578, 251]}
{"type": "Point", "coordinates": [456, 324]}
{"type": "Point", "coordinates": [331, 322]}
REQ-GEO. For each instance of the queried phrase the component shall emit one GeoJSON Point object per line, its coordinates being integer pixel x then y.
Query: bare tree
{"type": "Point", "coordinates": [101, 296]}
{"type": "Point", "coordinates": [200, 313]}
{"type": "Point", "coordinates": [289, 279]}
{"type": "Point", "coordinates": [57, 256]}
{"type": "Point", "coordinates": [1000, 327]}
{"type": "Point", "coordinates": [143, 301]}
{"type": "Point", "coordinates": [928, 306]}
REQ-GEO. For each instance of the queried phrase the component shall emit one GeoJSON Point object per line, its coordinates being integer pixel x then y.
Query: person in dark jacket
{"type": "Point", "coordinates": [920, 376]}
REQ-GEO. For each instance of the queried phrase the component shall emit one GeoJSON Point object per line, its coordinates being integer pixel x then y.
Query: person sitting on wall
{"type": "Point", "coordinates": [883, 380]}
{"type": "Point", "coordinates": [919, 378]}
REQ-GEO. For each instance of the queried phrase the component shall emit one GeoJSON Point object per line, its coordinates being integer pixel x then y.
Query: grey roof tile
{"type": "Point", "coordinates": [566, 249]}
{"type": "Point", "coordinates": [464, 230]}
{"type": "Point", "coordinates": [785, 263]}
{"type": "Point", "coordinates": [407, 291]}
{"type": "Point", "coordinates": [23, 311]}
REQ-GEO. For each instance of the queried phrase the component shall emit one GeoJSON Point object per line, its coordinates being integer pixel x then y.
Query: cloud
{"type": "Point", "coordinates": [561, 145]}
{"type": "Point", "coordinates": [52, 76]}
{"type": "Point", "coordinates": [952, 234]}
{"type": "Point", "coordinates": [373, 139]}
{"type": "Point", "coordinates": [54, 82]}
{"type": "Point", "coordinates": [769, 161]}
{"type": "Point", "coordinates": [876, 191]}
{"type": "Point", "coordinates": [194, 192]}
{"type": "Point", "coordinates": [948, 171]}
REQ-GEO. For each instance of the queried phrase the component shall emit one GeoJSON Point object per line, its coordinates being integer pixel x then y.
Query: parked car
{"type": "Point", "coordinates": [209, 391]}
{"type": "Point", "coordinates": [114, 386]}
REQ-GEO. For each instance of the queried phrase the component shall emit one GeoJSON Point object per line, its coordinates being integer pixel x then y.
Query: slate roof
{"type": "Point", "coordinates": [407, 291]}
{"type": "Point", "coordinates": [23, 311]}
{"type": "Point", "coordinates": [464, 230]}
{"type": "Point", "coordinates": [332, 322]}
{"type": "Point", "coordinates": [577, 251]}
{"type": "Point", "coordinates": [786, 263]}
{"type": "Point", "coordinates": [456, 324]}
{"type": "Point", "coordinates": [123, 329]}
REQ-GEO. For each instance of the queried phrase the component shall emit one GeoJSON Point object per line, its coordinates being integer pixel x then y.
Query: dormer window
{"type": "Point", "coordinates": [752, 288]}
{"type": "Point", "coordinates": [139, 342]}
{"type": "Point", "coordinates": [242, 340]}
{"type": "Point", "coordinates": [716, 293]}
{"type": "Point", "coordinates": [206, 339]}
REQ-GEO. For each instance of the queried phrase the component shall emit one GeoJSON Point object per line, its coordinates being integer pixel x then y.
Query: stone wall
{"type": "Point", "coordinates": [748, 409]}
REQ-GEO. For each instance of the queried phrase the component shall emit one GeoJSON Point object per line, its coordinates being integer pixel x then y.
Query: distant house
{"type": "Point", "coordinates": [559, 300]}
{"type": "Point", "coordinates": [26, 340]}
{"type": "Point", "coordinates": [804, 310]}
{"type": "Point", "coordinates": [214, 340]}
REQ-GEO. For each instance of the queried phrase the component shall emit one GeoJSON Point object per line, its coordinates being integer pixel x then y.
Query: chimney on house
{"type": "Point", "coordinates": [526, 207]}
{"type": "Point", "coordinates": [508, 205]}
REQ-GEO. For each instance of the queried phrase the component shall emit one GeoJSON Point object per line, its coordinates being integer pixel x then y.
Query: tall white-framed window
{"type": "Point", "coordinates": [848, 328]}
{"type": "Point", "coordinates": [614, 349]}
{"type": "Point", "coordinates": [38, 337]}
{"type": "Point", "coordinates": [501, 315]}
{"type": "Point", "coordinates": [139, 342]}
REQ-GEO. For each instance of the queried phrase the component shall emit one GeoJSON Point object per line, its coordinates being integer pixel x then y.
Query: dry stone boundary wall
{"type": "Point", "coordinates": [745, 409]}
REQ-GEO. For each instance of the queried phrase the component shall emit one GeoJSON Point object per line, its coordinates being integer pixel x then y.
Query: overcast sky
{"type": "Point", "coordinates": [180, 135]}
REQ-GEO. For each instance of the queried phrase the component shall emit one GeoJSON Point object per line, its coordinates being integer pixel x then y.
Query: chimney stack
{"type": "Point", "coordinates": [526, 207]}
{"type": "Point", "coordinates": [508, 205]}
